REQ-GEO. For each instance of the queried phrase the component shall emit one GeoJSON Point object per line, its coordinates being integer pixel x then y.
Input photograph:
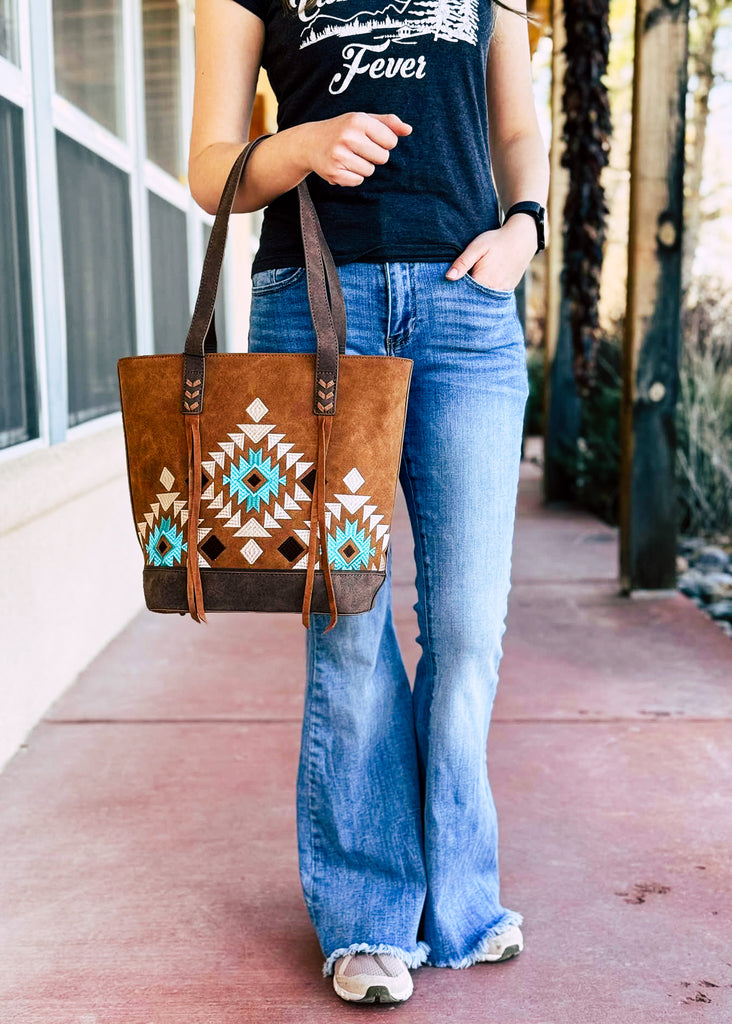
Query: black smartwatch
{"type": "Point", "coordinates": [537, 211]}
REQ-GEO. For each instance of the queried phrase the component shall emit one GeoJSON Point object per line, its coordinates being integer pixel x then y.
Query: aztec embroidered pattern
{"type": "Point", "coordinates": [256, 493]}
{"type": "Point", "coordinates": [161, 537]}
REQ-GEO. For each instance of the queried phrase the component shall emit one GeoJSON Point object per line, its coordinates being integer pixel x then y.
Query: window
{"type": "Point", "coordinates": [96, 236]}
{"type": "Point", "coordinates": [87, 37]}
{"type": "Point", "coordinates": [169, 260]}
{"type": "Point", "coordinates": [99, 240]}
{"type": "Point", "coordinates": [18, 398]}
{"type": "Point", "coordinates": [9, 31]}
{"type": "Point", "coordinates": [161, 35]}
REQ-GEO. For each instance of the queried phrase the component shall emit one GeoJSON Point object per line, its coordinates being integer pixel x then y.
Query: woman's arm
{"type": "Point", "coordinates": [343, 149]}
{"type": "Point", "coordinates": [519, 159]}
{"type": "Point", "coordinates": [229, 41]}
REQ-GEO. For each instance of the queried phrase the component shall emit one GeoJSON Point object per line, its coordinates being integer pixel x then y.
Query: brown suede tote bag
{"type": "Point", "coordinates": [264, 481]}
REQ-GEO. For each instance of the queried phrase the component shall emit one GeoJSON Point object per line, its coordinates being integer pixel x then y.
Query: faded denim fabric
{"type": "Point", "coordinates": [396, 823]}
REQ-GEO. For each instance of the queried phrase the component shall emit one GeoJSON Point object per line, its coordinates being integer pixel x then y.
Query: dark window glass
{"type": "Point", "coordinates": [169, 258]}
{"type": "Point", "coordinates": [87, 43]}
{"type": "Point", "coordinates": [96, 235]}
{"type": "Point", "coordinates": [220, 309]}
{"type": "Point", "coordinates": [18, 397]}
{"type": "Point", "coordinates": [161, 41]}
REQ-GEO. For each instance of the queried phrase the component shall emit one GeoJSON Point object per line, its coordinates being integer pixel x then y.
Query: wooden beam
{"type": "Point", "coordinates": [651, 345]}
{"type": "Point", "coordinates": [264, 111]}
{"type": "Point", "coordinates": [258, 123]}
{"type": "Point", "coordinates": [541, 9]}
{"type": "Point", "coordinates": [561, 403]}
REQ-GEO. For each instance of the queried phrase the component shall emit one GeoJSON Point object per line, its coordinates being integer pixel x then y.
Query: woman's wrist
{"type": "Point", "coordinates": [299, 149]}
{"type": "Point", "coordinates": [521, 229]}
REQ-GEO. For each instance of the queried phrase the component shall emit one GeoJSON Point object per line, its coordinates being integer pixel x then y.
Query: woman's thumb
{"type": "Point", "coordinates": [393, 121]}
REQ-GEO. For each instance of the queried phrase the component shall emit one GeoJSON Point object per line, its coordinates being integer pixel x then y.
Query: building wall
{"type": "Point", "coordinates": [102, 247]}
{"type": "Point", "coordinates": [69, 550]}
{"type": "Point", "coordinates": [73, 571]}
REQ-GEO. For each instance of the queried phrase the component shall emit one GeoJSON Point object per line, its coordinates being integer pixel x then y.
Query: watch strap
{"type": "Point", "coordinates": [536, 210]}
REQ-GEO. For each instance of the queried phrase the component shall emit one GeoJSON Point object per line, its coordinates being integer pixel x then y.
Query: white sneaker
{"type": "Point", "coordinates": [372, 978]}
{"type": "Point", "coordinates": [503, 946]}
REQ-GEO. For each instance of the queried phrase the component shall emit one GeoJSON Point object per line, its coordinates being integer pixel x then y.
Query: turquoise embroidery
{"type": "Point", "coordinates": [165, 544]}
{"type": "Point", "coordinates": [349, 548]}
{"type": "Point", "coordinates": [254, 479]}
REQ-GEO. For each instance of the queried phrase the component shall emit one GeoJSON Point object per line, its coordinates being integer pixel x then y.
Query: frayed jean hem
{"type": "Point", "coordinates": [511, 917]}
{"type": "Point", "coordinates": [411, 959]}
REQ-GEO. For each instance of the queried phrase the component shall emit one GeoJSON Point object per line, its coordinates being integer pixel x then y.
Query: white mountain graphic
{"type": "Point", "coordinates": [451, 20]}
{"type": "Point", "coordinates": [399, 8]}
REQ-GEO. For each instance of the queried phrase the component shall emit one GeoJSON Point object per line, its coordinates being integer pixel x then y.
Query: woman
{"type": "Point", "coordinates": [382, 105]}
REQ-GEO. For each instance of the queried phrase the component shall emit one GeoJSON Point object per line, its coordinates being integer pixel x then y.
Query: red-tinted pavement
{"type": "Point", "coordinates": [148, 867]}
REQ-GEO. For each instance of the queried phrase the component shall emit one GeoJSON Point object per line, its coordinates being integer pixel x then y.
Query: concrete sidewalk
{"type": "Point", "coordinates": [148, 867]}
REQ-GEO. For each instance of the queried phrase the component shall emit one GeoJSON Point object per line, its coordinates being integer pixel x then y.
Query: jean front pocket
{"type": "Point", "coordinates": [498, 293]}
{"type": "Point", "coordinates": [276, 279]}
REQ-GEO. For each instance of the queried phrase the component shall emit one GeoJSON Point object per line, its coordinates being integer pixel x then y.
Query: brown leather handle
{"type": "Point", "coordinates": [325, 297]}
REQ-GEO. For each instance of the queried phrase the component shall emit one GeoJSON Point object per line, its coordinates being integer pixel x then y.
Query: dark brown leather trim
{"type": "Point", "coordinates": [194, 369]}
{"type": "Point", "coordinates": [328, 346]}
{"type": "Point", "coordinates": [264, 590]}
{"type": "Point", "coordinates": [203, 313]}
{"type": "Point", "coordinates": [324, 292]}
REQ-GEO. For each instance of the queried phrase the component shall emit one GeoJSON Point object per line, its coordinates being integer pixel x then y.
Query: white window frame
{"type": "Point", "coordinates": [15, 87]}
{"type": "Point", "coordinates": [196, 216]}
{"type": "Point", "coordinates": [32, 88]}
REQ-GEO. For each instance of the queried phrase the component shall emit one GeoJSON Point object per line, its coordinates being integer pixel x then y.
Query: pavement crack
{"type": "Point", "coordinates": [170, 721]}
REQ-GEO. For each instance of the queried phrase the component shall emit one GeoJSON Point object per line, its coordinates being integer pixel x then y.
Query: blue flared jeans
{"type": "Point", "coordinates": [396, 822]}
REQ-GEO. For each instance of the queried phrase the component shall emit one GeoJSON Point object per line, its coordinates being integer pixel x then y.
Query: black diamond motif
{"type": "Point", "coordinates": [348, 551]}
{"type": "Point", "coordinates": [308, 481]}
{"type": "Point", "coordinates": [205, 480]}
{"type": "Point", "coordinates": [291, 548]}
{"type": "Point", "coordinates": [212, 547]}
{"type": "Point", "coordinates": [254, 480]}
{"type": "Point", "coordinates": [163, 546]}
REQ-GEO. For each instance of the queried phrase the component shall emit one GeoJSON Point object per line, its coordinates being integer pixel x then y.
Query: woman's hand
{"type": "Point", "coordinates": [346, 149]}
{"type": "Point", "coordinates": [499, 258]}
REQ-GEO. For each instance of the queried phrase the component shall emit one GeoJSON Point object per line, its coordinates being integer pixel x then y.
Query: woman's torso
{"type": "Point", "coordinates": [423, 60]}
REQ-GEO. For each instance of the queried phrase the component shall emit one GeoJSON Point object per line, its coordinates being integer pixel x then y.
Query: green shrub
{"type": "Point", "coordinates": [703, 421]}
{"type": "Point", "coordinates": [593, 465]}
{"type": "Point", "coordinates": [704, 414]}
{"type": "Point", "coordinates": [534, 418]}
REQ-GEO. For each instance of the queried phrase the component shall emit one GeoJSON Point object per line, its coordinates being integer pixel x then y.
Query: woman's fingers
{"type": "Point", "coordinates": [394, 123]}
{"type": "Point", "coordinates": [344, 177]}
{"type": "Point", "coordinates": [369, 150]}
{"type": "Point", "coordinates": [375, 135]}
{"type": "Point", "coordinates": [468, 257]}
{"type": "Point", "coordinates": [358, 143]}
{"type": "Point", "coordinates": [358, 164]}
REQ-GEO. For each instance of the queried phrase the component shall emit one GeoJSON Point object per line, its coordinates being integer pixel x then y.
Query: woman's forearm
{"type": "Point", "coordinates": [521, 169]}
{"type": "Point", "coordinates": [343, 150]}
{"type": "Point", "coordinates": [276, 165]}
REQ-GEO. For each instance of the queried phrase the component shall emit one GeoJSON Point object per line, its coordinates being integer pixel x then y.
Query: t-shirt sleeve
{"type": "Point", "coordinates": [258, 7]}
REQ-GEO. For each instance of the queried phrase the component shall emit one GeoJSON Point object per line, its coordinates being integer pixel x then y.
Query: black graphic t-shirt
{"type": "Point", "coordinates": [423, 60]}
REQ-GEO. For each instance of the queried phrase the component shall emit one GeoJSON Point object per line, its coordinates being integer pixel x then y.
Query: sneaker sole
{"type": "Point", "coordinates": [508, 952]}
{"type": "Point", "coordinates": [373, 994]}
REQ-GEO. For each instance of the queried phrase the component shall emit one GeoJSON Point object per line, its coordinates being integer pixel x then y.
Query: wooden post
{"type": "Point", "coordinates": [651, 346]}
{"type": "Point", "coordinates": [561, 403]}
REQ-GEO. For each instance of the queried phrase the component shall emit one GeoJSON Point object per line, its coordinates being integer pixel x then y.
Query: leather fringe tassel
{"type": "Point", "coordinates": [318, 530]}
{"type": "Point", "coordinates": [193, 572]}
